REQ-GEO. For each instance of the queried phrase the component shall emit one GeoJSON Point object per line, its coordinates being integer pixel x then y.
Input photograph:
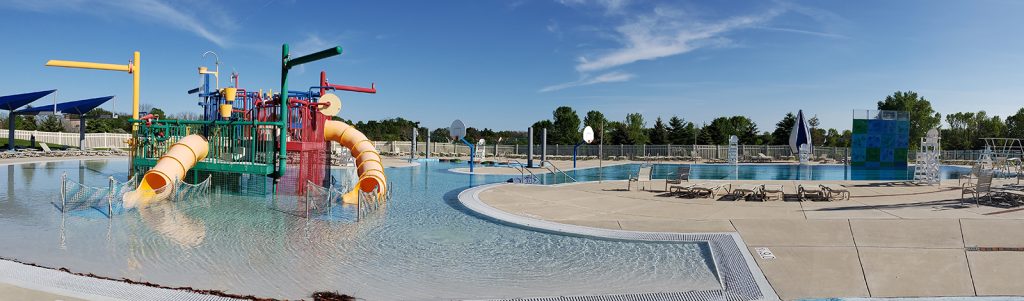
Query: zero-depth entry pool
{"type": "Point", "coordinates": [812, 172]}
{"type": "Point", "coordinates": [421, 246]}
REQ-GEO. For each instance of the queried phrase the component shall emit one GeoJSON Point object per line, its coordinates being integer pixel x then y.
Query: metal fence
{"type": "Point", "coordinates": [708, 152]}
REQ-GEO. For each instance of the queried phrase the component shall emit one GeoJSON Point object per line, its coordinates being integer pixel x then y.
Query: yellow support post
{"type": "Point", "coordinates": [132, 68]}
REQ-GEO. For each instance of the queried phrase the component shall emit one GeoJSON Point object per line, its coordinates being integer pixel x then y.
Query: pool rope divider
{"type": "Point", "coordinates": [735, 268]}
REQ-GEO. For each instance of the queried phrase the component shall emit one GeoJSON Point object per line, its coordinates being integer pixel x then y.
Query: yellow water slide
{"type": "Point", "coordinates": [369, 167]}
{"type": "Point", "coordinates": [173, 165]}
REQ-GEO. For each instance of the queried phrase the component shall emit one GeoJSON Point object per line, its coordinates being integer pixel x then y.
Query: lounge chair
{"type": "Point", "coordinates": [806, 190]}
{"type": "Point", "coordinates": [709, 188]}
{"type": "Point", "coordinates": [746, 190]}
{"type": "Point", "coordinates": [682, 175]}
{"type": "Point", "coordinates": [642, 175]}
{"type": "Point", "coordinates": [764, 158]}
{"type": "Point", "coordinates": [772, 190]}
{"type": "Point", "coordinates": [983, 187]}
{"type": "Point", "coordinates": [835, 191]}
{"type": "Point", "coordinates": [682, 188]}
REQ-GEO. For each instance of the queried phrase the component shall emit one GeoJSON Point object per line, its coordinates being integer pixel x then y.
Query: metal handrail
{"type": "Point", "coordinates": [521, 168]}
{"type": "Point", "coordinates": [547, 163]}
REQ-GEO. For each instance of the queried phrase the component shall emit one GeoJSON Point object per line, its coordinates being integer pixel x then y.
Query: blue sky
{"type": "Point", "coordinates": [506, 64]}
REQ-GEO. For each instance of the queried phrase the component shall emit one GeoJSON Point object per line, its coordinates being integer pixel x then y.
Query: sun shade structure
{"type": "Point", "coordinates": [801, 133]}
{"type": "Point", "coordinates": [78, 107]}
{"type": "Point", "coordinates": [13, 102]}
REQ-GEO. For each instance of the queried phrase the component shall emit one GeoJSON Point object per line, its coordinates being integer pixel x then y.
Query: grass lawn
{"type": "Point", "coordinates": [18, 143]}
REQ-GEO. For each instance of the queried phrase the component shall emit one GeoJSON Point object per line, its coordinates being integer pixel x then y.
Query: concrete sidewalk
{"type": "Point", "coordinates": [889, 240]}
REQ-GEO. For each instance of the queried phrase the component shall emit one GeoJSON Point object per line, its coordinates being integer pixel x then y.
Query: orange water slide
{"type": "Point", "coordinates": [173, 165]}
{"type": "Point", "coordinates": [369, 166]}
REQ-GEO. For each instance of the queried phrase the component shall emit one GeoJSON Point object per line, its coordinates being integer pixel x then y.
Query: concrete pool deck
{"type": "Point", "coordinates": [888, 240]}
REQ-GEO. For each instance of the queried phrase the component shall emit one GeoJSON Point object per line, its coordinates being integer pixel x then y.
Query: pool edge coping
{"type": "Point", "coordinates": [470, 199]}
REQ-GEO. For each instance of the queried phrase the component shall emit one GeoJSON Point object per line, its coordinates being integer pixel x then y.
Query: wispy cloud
{"type": "Point", "coordinates": [610, 77]}
{"type": "Point", "coordinates": [806, 32]}
{"type": "Point", "coordinates": [646, 32]}
{"type": "Point", "coordinates": [154, 11]}
{"type": "Point", "coordinates": [661, 35]}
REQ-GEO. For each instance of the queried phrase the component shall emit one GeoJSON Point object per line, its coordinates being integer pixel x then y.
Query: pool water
{"type": "Point", "coordinates": [749, 172]}
{"type": "Point", "coordinates": [422, 245]}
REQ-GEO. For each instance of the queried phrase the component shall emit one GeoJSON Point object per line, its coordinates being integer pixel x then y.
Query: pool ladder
{"type": "Point", "coordinates": [532, 179]}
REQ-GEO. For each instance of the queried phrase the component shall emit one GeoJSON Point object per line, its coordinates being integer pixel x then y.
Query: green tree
{"type": "Point", "coordinates": [617, 133]}
{"type": "Point", "coordinates": [51, 123]}
{"type": "Point", "coordinates": [832, 138]}
{"type": "Point", "coordinates": [158, 112]}
{"type": "Point", "coordinates": [597, 121]}
{"type": "Point", "coordinates": [783, 128]}
{"type": "Point", "coordinates": [721, 128]}
{"type": "Point", "coordinates": [538, 131]}
{"type": "Point", "coordinates": [440, 135]}
{"type": "Point", "coordinates": [1015, 125]}
{"type": "Point", "coordinates": [659, 133]}
{"type": "Point", "coordinates": [922, 116]}
{"type": "Point", "coordinates": [680, 131]}
{"type": "Point", "coordinates": [26, 123]}
{"type": "Point", "coordinates": [566, 127]}
{"type": "Point", "coordinates": [636, 129]}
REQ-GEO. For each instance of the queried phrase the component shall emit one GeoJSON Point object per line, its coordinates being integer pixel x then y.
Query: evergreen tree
{"type": "Point", "coordinates": [783, 128]}
{"type": "Point", "coordinates": [659, 133]}
{"type": "Point", "coordinates": [681, 132]}
{"type": "Point", "coordinates": [51, 124]}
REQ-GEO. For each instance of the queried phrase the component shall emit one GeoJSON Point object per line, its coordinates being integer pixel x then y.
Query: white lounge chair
{"type": "Point", "coordinates": [806, 190]}
{"type": "Point", "coordinates": [710, 189]}
{"type": "Point", "coordinates": [745, 190]}
{"type": "Point", "coordinates": [682, 175]}
{"type": "Point", "coordinates": [835, 191]}
{"type": "Point", "coordinates": [642, 176]}
{"type": "Point", "coordinates": [772, 190]}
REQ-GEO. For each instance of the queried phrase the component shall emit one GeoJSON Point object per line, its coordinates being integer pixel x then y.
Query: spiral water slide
{"type": "Point", "coordinates": [369, 167]}
{"type": "Point", "coordinates": [173, 165]}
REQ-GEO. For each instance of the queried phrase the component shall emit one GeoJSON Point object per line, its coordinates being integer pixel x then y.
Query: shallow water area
{"type": "Point", "coordinates": [421, 245]}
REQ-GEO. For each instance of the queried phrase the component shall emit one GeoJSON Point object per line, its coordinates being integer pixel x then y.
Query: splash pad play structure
{"type": "Point", "coordinates": [247, 141]}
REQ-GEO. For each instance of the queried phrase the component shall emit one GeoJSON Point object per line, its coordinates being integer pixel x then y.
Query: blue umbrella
{"type": "Point", "coordinates": [801, 134]}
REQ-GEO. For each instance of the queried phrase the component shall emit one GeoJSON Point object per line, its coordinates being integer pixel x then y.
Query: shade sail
{"type": "Point", "coordinates": [801, 134]}
{"type": "Point", "coordinates": [13, 102]}
{"type": "Point", "coordinates": [77, 107]}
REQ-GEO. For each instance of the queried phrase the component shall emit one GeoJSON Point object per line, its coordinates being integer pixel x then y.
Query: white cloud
{"type": "Point", "coordinates": [661, 35]}
{"type": "Point", "coordinates": [610, 77]}
{"type": "Point", "coordinates": [154, 11]}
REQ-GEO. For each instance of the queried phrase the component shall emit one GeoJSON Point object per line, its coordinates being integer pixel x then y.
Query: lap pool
{"type": "Point", "coordinates": [422, 245]}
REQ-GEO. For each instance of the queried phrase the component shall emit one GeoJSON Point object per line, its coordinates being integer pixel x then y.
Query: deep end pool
{"type": "Point", "coordinates": [812, 172]}
{"type": "Point", "coordinates": [422, 245]}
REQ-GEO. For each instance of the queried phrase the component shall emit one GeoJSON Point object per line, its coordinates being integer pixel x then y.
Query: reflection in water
{"type": "Point", "coordinates": [164, 218]}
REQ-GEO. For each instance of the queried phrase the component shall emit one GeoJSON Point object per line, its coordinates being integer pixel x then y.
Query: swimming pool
{"type": "Point", "coordinates": [421, 246]}
{"type": "Point", "coordinates": [749, 172]}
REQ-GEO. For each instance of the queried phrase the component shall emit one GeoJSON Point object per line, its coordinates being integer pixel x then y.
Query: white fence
{"type": "Point", "coordinates": [96, 140]}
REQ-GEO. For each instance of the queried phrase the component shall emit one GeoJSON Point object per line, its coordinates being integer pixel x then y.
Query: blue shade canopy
{"type": "Point", "coordinates": [800, 134]}
{"type": "Point", "coordinates": [13, 102]}
{"type": "Point", "coordinates": [77, 107]}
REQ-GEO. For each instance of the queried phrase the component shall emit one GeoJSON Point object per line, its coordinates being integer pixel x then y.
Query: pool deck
{"type": "Point", "coordinates": [889, 240]}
